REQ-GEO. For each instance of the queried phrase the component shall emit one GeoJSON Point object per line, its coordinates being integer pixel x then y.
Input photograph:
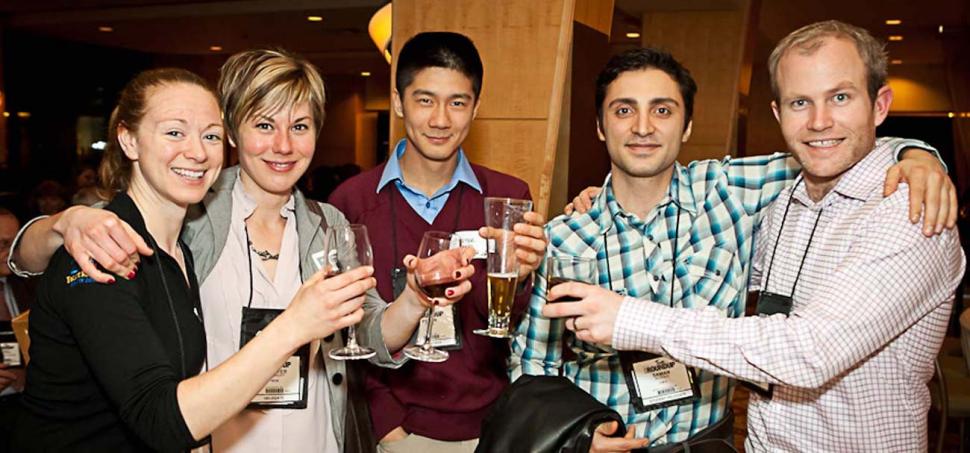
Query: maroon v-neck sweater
{"type": "Point", "coordinates": [444, 401]}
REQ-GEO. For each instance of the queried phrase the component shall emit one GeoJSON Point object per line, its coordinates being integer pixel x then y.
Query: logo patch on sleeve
{"type": "Point", "coordinates": [77, 277]}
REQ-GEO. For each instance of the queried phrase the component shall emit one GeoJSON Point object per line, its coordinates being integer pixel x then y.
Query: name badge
{"type": "Point", "coordinates": [287, 389]}
{"type": "Point", "coordinates": [655, 382]}
{"type": "Point", "coordinates": [9, 349]}
{"type": "Point", "coordinates": [471, 238]}
{"type": "Point", "coordinates": [445, 330]}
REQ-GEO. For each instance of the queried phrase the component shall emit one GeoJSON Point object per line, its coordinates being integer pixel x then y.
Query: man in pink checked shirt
{"type": "Point", "coordinates": [854, 299]}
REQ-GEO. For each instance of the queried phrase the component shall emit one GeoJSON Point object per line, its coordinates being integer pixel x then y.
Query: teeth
{"type": "Point", "coordinates": [184, 172]}
{"type": "Point", "coordinates": [280, 165]}
{"type": "Point", "coordinates": [825, 143]}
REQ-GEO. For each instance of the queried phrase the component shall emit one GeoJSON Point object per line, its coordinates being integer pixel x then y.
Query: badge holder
{"type": "Point", "coordinates": [446, 331]}
{"type": "Point", "coordinates": [287, 389]}
{"type": "Point", "coordinates": [9, 349]}
{"type": "Point", "coordinates": [655, 382]}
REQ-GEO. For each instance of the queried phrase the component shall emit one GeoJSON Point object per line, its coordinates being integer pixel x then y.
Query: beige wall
{"type": "Point", "coordinates": [919, 88]}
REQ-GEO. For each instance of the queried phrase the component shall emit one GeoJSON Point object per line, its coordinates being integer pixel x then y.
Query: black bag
{"type": "Point", "coordinates": [544, 414]}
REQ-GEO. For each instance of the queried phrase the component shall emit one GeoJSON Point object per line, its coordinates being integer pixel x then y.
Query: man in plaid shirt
{"type": "Point", "coordinates": [650, 206]}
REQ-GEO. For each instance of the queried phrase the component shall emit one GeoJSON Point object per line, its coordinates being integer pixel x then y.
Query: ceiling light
{"type": "Point", "coordinates": [215, 48]}
{"type": "Point", "coordinates": [379, 29]}
{"type": "Point", "coordinates": [23, 114]}
{"type": "Point", "coordinates": [893, 21]}
{"type": "Point", "coordinates": [6, 114]}
{"type": "Point", "coordinates": [895, 37]}
{"type": "Point", "coordinates": [896, 61]}
{"type": "Point", "coordinates": [365, 74]}
{"type": "Point", "coordinates": [950, 115]}
{"type": "Point", "coordinates": [314, 18]}
{"type": "Point", "coordinates": [940, 29]}
{"type": "Point", "coordinates": [99, 145]}
{"type": "Point", "coordinates": [633, 35]}
{"type": "Point", "coordinates": [105, 29]}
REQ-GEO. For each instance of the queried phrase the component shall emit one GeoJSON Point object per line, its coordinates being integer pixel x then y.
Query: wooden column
{"type": "Point", "coordinates": [526, 46]}
{"type": "Point", "coordinates": [711, 43]}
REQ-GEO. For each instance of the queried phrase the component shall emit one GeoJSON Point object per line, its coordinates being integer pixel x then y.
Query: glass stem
{"type": "Point", "coordinates": [427, 334]}
{"type": "Point", "coordinates": [352, 333]}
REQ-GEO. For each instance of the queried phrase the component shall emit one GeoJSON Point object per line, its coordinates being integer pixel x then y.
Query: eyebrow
{"type": "Point", "coordinates": [653, 101]}
{"type": "Point", "coordinates": [844, 85]}
{"type": "Point", "coordinates": [266, 118]}
{"type": "Point", "coordinates": [422, 92]}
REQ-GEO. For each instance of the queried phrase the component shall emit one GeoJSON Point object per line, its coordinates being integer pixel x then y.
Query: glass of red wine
{"type": "Point", "coordinates": [348, 247]}
{"type": "Point", "coordinates": [434, 274]}
{"type": "Point", "coordinates": [565, 268]}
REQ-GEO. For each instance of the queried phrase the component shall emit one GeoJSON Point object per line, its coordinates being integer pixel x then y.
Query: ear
{"type": "Point", "coordinates": [599, 130]}
{"type": "Point", "coordinates": [398, 105]}
{"type": "Point", "coordinates": [232, 141]}
{"type": "Point", "coordinates": [690, 128]}
{"type": "Point", "coordinates": [884, 98]}
{"type": "Point", "coordinates": [774, 109]}
{"type": "Point", "coordinates": [475, 111]}
{"type": "Point", "coordinates": [128, 142]}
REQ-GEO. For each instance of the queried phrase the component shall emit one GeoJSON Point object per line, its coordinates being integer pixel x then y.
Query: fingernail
{"type": "Point", "coordinates": [131, 275]}
{"type": "Point", "coordinates": [111, 280]}
{"type": "Point", "coordinates": [449, 292]}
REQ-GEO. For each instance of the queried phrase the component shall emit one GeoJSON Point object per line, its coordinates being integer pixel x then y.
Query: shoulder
{"type": "Point", "coordinates": [69, 286]}
{"type": "Point", "coordinates": [357, 189]}
{"type": "Point", "coordinates": [497, 183]}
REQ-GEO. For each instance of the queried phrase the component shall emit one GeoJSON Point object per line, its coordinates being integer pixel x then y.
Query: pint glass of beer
{"type": "Point", "coordinates": [501, 214]}
{"type": "Point", "coordinates": [567, 268]}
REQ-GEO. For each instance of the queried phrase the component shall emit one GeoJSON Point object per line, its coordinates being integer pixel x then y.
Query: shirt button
{"type": "Point", "coordinates": [337, 378]}
{"type": "Point", "coordinates": [427, 205]}
{"type": "Point", "coordinates": [655, 278]}
{"type": "Point", "coordinates": [650, 237]}
{"type": "Point", "coordinates": [328, 338]}
{"type": "Point", "coordinates": [717, 273]}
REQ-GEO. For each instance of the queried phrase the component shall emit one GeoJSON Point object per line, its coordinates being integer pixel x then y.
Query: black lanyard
{"type": "Point", "coordinates": [673, 254]}
{"type": "Point", "coordinates": [774, 250]}
{"type": "Point", "coordinates": [171, 304]}
{"type": "Point", "coordinates": [249, 259]}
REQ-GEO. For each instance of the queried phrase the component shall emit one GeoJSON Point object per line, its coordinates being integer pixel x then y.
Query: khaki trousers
{"type": "Point", "coordinates": [420, 444]}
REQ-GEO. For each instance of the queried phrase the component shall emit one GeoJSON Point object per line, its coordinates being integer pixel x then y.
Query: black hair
{"type": "Point", "coordinates": [439, 49]}
{"type": "Point", "coordinates": [647, 58]}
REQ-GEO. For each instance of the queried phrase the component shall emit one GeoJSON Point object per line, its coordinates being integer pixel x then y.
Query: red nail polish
{"type": "Point", "coordinates": [449, 293]}
{"type": "Point", "coordinates": [111, 280]}
{"type": "Point", "coordinates": [131, 275]}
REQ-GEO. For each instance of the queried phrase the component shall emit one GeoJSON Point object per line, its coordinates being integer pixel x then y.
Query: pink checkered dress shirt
{"type": "Point", "coordinates": [852, 360]}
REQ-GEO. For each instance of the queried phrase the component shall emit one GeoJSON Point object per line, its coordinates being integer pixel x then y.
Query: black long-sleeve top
{"type": "Point", "coordinates": [106, 358]}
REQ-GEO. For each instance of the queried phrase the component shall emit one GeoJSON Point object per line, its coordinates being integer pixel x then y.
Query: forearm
{"type": "Point", "coordinates": [400, 320]}
{"type": "Point", "coordinates": [208, 400]}
{"type": "Point", "coordinates": [37, 243]}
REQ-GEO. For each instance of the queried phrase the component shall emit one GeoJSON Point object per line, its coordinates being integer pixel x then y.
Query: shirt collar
{"type": "Point", "coordinates": [463, 172]}
{"type": "Point", "coordinates": [246, 204]}
{"type": "Point", "coordinates": [605, 207]}
{"type": "Point", "coordinates": [859, 181]}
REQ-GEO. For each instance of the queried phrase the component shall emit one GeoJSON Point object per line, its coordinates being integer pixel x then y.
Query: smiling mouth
{"type": "Point", "coordinates": [438, 140]}
{"type": "Point", "coordinates": [280, 166]}
{"type": "Point", "coordinates": [189, 173]}
{"type": "Point", "coordinates": [826, 143]}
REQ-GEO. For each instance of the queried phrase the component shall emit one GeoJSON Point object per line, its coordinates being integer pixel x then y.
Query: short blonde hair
{"type": "Point", "coordinates": [258, 82]}
{"type": "Point", "coordinates": [808, 40]}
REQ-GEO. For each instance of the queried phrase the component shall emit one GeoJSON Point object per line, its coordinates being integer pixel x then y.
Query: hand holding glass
{"type": "Point", "coordinates": [562, 269]}
{"type": "Point", "coordinates": [434, 272]}
{"type": "Point", "coordinates": [501, 214]}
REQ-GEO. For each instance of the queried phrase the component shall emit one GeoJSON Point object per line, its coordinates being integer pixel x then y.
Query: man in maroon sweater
{"type": "Point", "coordinates": [428, 184]}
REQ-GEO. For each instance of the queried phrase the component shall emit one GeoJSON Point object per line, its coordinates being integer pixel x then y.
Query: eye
{"type": "Point", "coordinates": [424, 101]}
{"type": "Point", "coordinates": [301, 127]}
{"type": "Point", "coordinates": [663, 111]}
{"type": "Point", "coordinates": [175, 133]}
{"type": "Point", "coordinates": [458, 103]}
{"type": "Point", "coordinates": [623, 111]}
{"type": "Point", "coordinates": [264, 126]}
{"type": "Point", "coordinates": [841, 98]}
{"type": "Point", "coordinates": [799, 104]}
{"type": "Point", "coordinates": [212, 137]}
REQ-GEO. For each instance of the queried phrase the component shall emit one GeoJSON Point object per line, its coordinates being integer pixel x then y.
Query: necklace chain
{"type": "Point", "coordinates": [264, 255]}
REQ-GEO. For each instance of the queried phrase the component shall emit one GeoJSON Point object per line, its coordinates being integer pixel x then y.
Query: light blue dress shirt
{"type": "Point", "coordinates": [427, 207]}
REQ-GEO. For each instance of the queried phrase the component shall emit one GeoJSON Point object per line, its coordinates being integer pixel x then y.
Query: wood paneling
{"type": "Point", "coordinates": [710, 44]}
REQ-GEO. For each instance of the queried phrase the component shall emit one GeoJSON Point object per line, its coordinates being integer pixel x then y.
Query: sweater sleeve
{"type": "Point", "coordinates": [124, 354]}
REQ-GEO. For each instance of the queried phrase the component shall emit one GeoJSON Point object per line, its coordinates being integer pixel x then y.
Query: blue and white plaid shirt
{"type": "Point", "coordinates": [721, 204]}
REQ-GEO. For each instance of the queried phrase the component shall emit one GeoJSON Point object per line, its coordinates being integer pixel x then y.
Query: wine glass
{"type": "Point", "coordinates": [434, 273]}
{"type": "Point", "coordinates": [348, 247]}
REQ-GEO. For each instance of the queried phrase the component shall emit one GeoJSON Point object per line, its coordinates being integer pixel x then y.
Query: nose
{"type": "Point", "coordinates": [821, 119]}
{"type": "Point", "coordinates": [643, 126]}
{"type": "Point", "coordinates": [195, 151]}
{"type": "Point", "coordinates": [282, 144]}
{"type": "Point", "coordinates": [439, 117]}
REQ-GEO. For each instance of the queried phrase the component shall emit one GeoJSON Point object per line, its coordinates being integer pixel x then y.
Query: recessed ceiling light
{"type": "Point", "coordinates": [105, 29]}
{"type": "Point", "coordinates": [314, 18]}
{"type": "Point", "coordinates": [893, 21]}
{"type": "Point", "coordinates": [950, 115]}
{"type": "Point", "coordinates": [895, 38]}
{"type": "Point", "coordinates": [633, 35]}
{"type": "Point", "coordinates": [215, 48]}
{"type": "Point", "coordinates": [23, 114]}
{"type": "Point", "coordinates": [6, 114]}
{"type": "Point", "coordinates": [365, 74]}
{"type": "Point", "coordinates": [896, 61]}
{"type": "Point", "coordinates": [940, 29]}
